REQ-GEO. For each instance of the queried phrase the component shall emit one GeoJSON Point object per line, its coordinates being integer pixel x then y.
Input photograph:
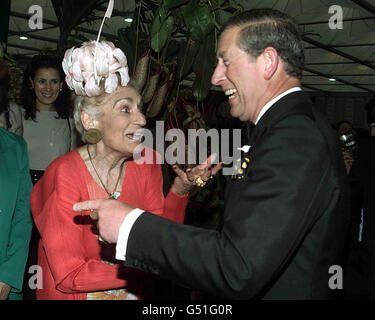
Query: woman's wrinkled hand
{"type": "Point", "coordinates": [197, 176]}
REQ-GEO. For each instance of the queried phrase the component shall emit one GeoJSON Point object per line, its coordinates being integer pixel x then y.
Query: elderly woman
{"type": "Point", "coordinates": [76, 264]}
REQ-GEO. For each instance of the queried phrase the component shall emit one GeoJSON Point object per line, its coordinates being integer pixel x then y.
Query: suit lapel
{"type": "Point", "coordinates": [293, 103]}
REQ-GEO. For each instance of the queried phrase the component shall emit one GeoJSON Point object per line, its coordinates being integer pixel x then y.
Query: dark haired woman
{"type": "Point", "coordinates": [47, 126]}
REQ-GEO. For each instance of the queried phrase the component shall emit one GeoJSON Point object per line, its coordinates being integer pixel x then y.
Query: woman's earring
{"type": "Point", "coordinates": [93, 135]}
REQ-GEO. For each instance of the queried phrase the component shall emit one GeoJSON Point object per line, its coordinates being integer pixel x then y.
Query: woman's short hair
{"type": "Point", "coordinates": [91, 105]}
{"type": "Point", "coordinates": [86, 104]}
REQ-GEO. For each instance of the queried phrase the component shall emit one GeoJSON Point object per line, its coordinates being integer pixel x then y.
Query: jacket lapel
{"type": "Point", "coordinates": [293, 103]}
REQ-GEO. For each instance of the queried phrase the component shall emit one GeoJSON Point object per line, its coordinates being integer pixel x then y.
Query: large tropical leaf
{"type": "Point", "coordinates": [126, 42]}
{"type": "Point", "coordinates": [186, 57]}
{"type": "Point", "coordinates": [219, 3]}
{"type": "Point", "coordinates": [170, 4]}
{"type": "Point", "coordinates": [160, 29]}
{"type": "Point", "coordinates": [198, 19]}
{"type": "Point", "coordinates": [203, 67]}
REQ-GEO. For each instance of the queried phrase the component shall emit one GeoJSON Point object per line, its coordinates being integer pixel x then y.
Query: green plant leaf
{"type": "Point", "coordinates": [159, 38]}
{"type": "Point", "coordinates": [198, 19]}
{"type": "Point", "coordinates": [126, 42]}
{"type": "Point", "coordinates": [157, 22]}
{"type": "Point", "coordinates": [203, 67]}
{"type": "Point", "coordinates": [186, 57]}
{"type": "Point", "coordinates": [162, 26]}
{"type": "Point", "coordinates": [170, 4]}
{"type": "Point", "coordinates": [170, 25]}
{"type": "Point", "coordinates": [219, 3]}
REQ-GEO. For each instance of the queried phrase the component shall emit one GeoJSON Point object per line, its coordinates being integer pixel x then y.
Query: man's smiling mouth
{"type": "Point", "coordinates": [230, 93]}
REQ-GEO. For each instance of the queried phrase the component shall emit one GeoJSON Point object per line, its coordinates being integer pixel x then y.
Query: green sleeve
{"type": "Point", "coordinates": [13, 268]}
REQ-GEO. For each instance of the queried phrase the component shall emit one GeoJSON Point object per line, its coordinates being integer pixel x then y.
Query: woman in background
{"type": "Point", "coordinates": [10, 112]}
{"type": "Point", "coordinates": [47, 126]}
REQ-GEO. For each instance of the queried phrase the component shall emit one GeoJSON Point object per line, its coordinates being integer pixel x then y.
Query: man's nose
{"type": "Point", "coordinates": [218, 75]}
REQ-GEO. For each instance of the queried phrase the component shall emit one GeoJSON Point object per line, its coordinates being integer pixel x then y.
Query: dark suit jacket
{"type": "Point", "coordinates": [284, 224]}
{"type": "Point", "coordinates": [360, 271]}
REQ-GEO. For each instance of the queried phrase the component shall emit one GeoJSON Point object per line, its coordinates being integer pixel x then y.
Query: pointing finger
{"type": "Point", "coordinates": [87, 205]}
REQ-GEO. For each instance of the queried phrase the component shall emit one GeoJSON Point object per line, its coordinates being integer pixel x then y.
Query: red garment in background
{"type": "Point", "coordinates": [69, 251]}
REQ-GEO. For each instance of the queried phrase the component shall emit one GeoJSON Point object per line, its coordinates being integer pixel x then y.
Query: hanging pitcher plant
{"type": "Point", "coordinates": [174, 51]}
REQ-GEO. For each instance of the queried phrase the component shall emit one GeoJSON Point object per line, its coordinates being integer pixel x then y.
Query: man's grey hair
{"type": "Point", "coordinates": [262, 28]}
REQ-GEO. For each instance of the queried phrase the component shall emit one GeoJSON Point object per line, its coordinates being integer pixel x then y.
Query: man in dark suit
{"type": "Point", "coordinates": [286, 212]}
{"type": "Point", "coordinates": [360, 271]}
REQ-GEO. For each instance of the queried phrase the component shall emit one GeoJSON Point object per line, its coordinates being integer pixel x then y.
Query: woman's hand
{"type": "Point", "coordinates": [4, 291]}
{"type": "Point", "coordinates": [197, 176]}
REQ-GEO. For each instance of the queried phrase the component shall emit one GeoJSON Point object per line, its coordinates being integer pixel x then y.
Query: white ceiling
{"type": "Point", "coordinates": [346, 54]}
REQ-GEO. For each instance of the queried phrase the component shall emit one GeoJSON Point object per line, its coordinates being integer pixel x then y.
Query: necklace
{"type": "Point", "coordinates": [114, 194]}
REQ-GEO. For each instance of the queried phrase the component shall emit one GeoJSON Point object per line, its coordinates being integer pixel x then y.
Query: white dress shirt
{"type": "Point", "coordinates": [269, 104]}
{"type": "Point", "coordinates": [127, 224]}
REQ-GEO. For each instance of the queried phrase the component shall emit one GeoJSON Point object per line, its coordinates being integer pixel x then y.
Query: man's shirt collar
{"type": "Point", "coordinates": [274, 100]}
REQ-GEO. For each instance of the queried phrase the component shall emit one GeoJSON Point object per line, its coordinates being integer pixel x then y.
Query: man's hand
{"type": "Point", "coordinates": [109, 213]}
{"type": "Point", "coordinates": [4, 291]}
{"type": "Point", "coordinates": [348, 160]}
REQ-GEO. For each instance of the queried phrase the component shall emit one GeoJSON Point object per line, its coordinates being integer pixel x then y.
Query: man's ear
{"type": "Point", "coordinates": [272, 60]}
{"type": "Point", "coordinates": [87, 120]}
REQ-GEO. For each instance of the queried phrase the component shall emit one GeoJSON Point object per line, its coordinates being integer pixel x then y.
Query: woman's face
{"type": "Point", "coordinates": [47, 85]}
{"type": "Point", "coordinates": [120, 119]}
